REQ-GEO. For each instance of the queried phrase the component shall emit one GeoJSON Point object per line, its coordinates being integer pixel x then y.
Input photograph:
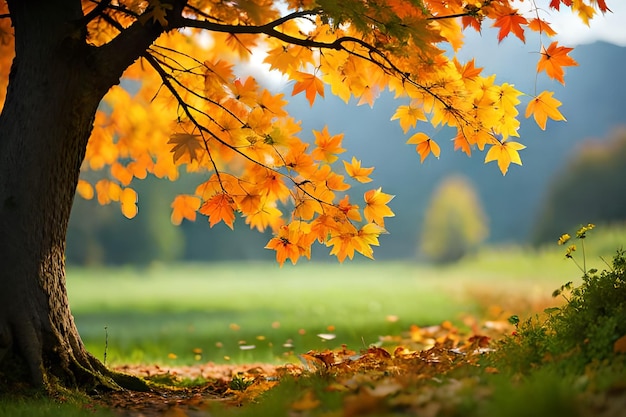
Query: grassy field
{"type": "Point", "coordinates": [191, 314]}
{"type": "Point", "coordinates": [167, 314]}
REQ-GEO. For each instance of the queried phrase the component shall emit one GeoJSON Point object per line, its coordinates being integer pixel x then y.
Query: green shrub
{"type": "Point", "coordinates": [583, 331]}
{"type": "Point", "coordinates": [455, 222]}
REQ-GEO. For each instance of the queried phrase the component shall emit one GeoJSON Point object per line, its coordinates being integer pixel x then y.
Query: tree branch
{"type": "Point", "coordinates": [95, 12]}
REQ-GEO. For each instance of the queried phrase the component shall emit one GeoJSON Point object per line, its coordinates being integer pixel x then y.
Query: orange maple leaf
{"type": "Point", "coordinates": [544, 106]}
{"type": "Point", "coordinates": [554, 59]}
{"type": "Point", "coordinates": [310, 84]}
{"type": "Point", "coordinates": [355, 171]}
{"type": "Point", "coordinates": [184, 207]}
{"type": "Point", "coordinates": [327, 146]}
{"type": "Point", "coordinates": [219, 208]}
{"type": "Point", "coordinates": [425, 145]}
{"type": "Point", "coordinates": [505, 153]}
{"type": "Point", "coordinates": [541, 26]}
{"type": "Point", "coordinates": [291, 242]}
{"type": "Point", "coordinates": [461, 142]}
{"type": "Point", "coordinates": [511, 23]}
{"type": "Point", "coordinates": [376, 208]}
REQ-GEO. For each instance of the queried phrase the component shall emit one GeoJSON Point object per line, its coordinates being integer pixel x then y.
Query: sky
{"type": "Point", "coordinates": [609, 27]}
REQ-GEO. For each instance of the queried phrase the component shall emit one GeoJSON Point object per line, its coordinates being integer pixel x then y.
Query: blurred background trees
{"type": "Point", "coordinates": [454, 223]}
{"type": "Point", "coordinates": [591, 188]}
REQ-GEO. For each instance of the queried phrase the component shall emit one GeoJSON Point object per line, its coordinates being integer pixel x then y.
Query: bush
{"type": "Point", "coordinates": [455, 222]}
{"type": "Point", "coordinates": [587, 329]}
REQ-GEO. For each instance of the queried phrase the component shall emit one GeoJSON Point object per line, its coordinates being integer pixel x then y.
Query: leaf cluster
{"type": "Point", "coordinates": [209, 117]}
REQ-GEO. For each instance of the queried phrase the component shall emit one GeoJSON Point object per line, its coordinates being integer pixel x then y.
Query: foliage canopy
{"type": "Point", "coordinates": [193, 109]}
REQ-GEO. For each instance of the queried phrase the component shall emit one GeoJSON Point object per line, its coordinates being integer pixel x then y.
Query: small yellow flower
{"type": "Point", "coordinates": [570, 249]}
{"type": "Point", "coordinates": [564, 238]}
{"type": "Point", "coordinates": [581, 233]}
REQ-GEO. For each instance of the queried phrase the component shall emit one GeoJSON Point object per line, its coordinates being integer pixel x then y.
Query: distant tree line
{"type": "Point", "coordinates": [590, 189]}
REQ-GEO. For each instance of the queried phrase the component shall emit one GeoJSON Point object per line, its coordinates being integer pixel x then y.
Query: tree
{"type": "Point", "coordinates": [64, 110]}
{"type": "Point", "coordinates": [588, 189]}
{"type": "Point", "coordinates": [454, 222]}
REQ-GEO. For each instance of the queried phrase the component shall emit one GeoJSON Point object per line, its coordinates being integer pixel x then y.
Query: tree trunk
{"type": "Point", "coordinates": [45, 124]}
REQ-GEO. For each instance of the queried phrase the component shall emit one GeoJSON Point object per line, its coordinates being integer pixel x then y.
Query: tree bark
{"type": "Point", "coordinates": [53, 94]}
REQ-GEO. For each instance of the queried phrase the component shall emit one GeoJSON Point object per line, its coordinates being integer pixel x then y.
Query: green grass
{"type": "Point", "coordinates": [144, 314]}
{"type": "Point", "coordinates": [151, 312]}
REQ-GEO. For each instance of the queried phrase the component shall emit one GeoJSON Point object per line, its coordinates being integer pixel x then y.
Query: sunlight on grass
{"type": "Point", "coordinates": [244, 312]}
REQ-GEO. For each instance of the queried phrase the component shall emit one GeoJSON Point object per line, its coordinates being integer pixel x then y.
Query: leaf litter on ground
{"type": "Point", "coordinates": [419, 372]}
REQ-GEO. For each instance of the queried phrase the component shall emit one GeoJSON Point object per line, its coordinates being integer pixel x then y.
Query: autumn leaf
{"type": "Point", "coordinates": [157, 12]}
{"type": "Point", "coordinates": [310, 84]}
{"type": "Point", "coordinates": [355, 170]}
{"type": "Point", "coordinates": [367, 237]}
{"type": "Point", "coordinates": [584, 11]}
{"type": "Point", "coordinates": [425, 145]}
{"type": "Point", "coordinates": [409, 116]}
{"type": "Point", "coordinates": [556, 4]}
{"type": "Point", "coordinates": [505, 153]}
{"type": "Point", "coordinates": [121, 173]}
{"type": "Point", "coordinates": [541, 26]}
{"type": "Point", "coordinates": [343, 246]}
{"type": "Point", "coordinates": [376, 208]}
{"type": "Point", "coordinates": [219, 208]}
{"type": "Point", "coordinates": [107, 191]}
{"type": "Point", "coordinates": [85, 190]}
{"type": "Point", "coordinates": [185, 144]}
{"type": "Point", "coordinates": [508, 23]}
{"type": "Point", "coordinates": [327, 146]}
{"type": "Point", "coordinates": [290, 242]}
{"type": "Point", "coordinates": [184, 207]}
{"type": "Point", "coordinates": [542, 107]}
{"type": "Point", "coordinates": [554, 59]}
{"type": "Point", "coordinates": [461, 142]}
{"type": "Point", "coordinates": [128, 201]}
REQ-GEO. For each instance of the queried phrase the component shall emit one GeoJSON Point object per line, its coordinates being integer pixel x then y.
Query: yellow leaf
{"type": "Point", "coordinates": [85, 190]}
{"type": "Point", "coordinates": [542, 107]}
{"type": "Point", "coordinates": [121, 173]}
{"type": "Point", "coordinates": [128, 200]}
{"type": "Point", "coordinates": [505, 153]}
{"type": "Point", "coordinates": [107, 191]}
{"type": "Point", "coordinates": [376, 208]}
{"type": "Point", "coordinates": [408, 116]}
{"type": "Point", "coordinates": [184, 207]}
{"type": "Point", "coordinates": [355, 170]}
{"type": "Point", "coordinates": [425, 145]}
{"type": "Point", "coordinates": [327, 146]}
